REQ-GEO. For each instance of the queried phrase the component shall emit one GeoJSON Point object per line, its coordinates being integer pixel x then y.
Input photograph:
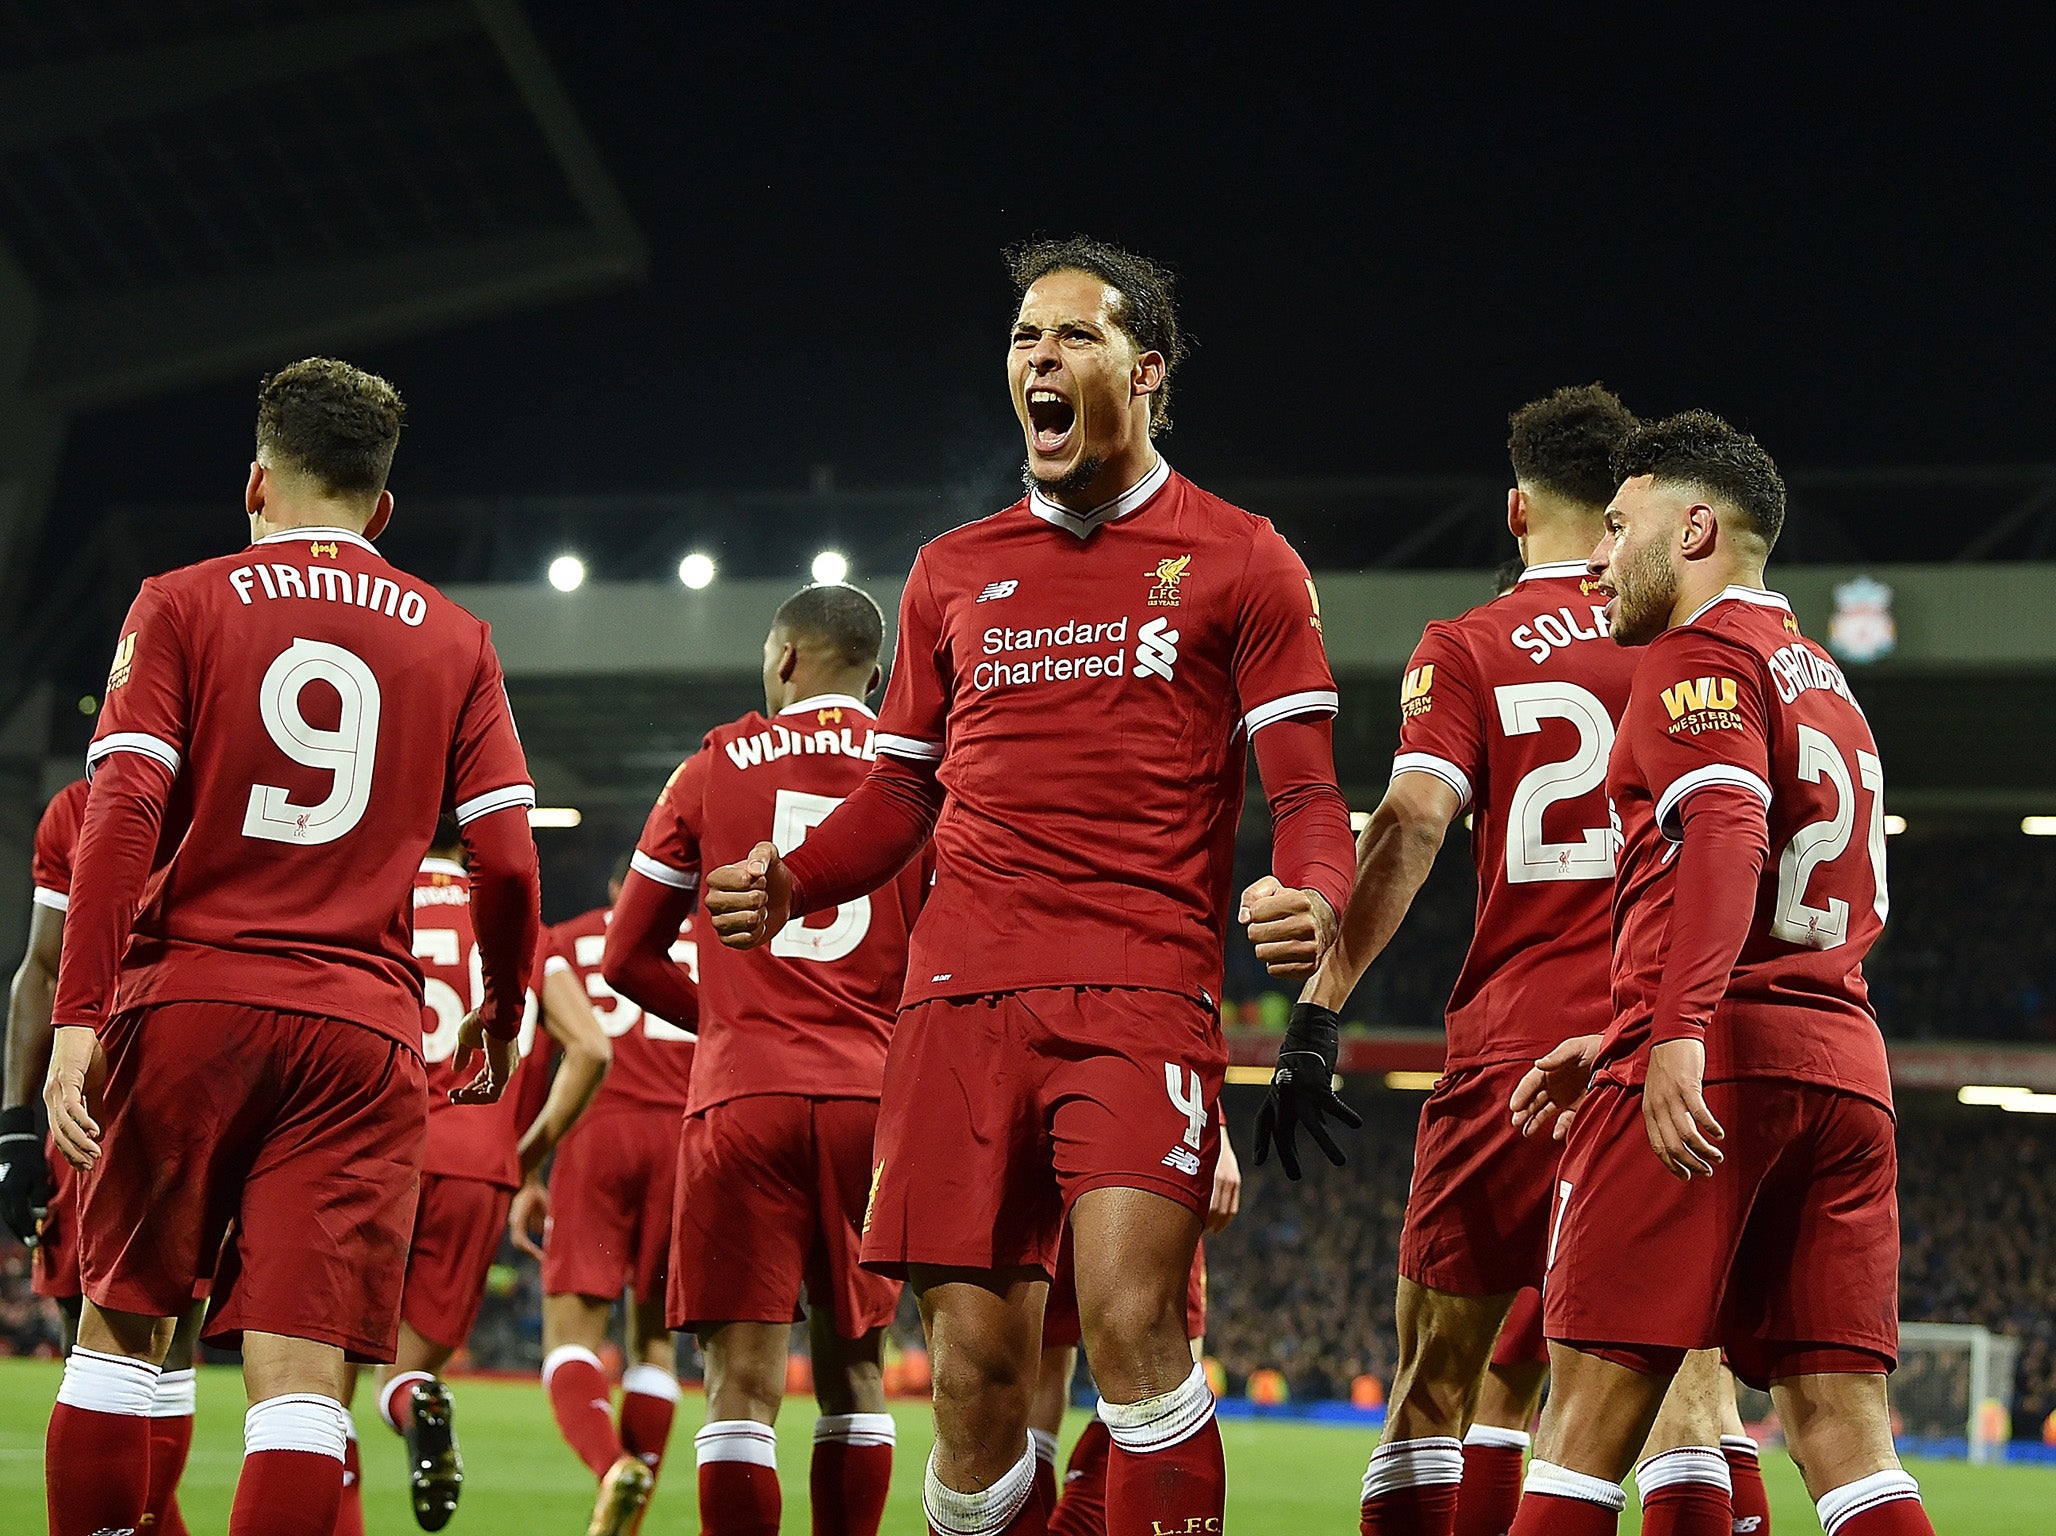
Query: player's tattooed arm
{"type": "Point", "coordinates": [1393, 858]}
{"type": "Point", "coordinates": [568, 1017]}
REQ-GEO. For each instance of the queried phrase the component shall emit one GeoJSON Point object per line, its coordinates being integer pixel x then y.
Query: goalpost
{"type": "Point", "coordinates": [1954, 1386]}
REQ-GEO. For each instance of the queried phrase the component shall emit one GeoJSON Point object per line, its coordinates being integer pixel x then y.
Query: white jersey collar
{"type": "Point", "coordinates": [1082, 523]}
{"type": "Point", "coordinates": [1756, 595]}
{"type": "Point", "coordinates": [828, 701]}
{"type": "Point", "coordinates": [318, 535]}
{"type": "Point", "coordinates": [1554, 568]}
{"type": "Point", "coordinates": [434, 866]}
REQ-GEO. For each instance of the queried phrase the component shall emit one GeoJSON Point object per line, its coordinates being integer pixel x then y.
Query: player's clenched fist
{"type": "Point", "coordinates": [750, 901]}
{"type": "Point", "coordinates": [1291, 929]}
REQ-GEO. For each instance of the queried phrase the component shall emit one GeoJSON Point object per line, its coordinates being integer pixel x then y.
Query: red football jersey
{"type": "Point", "coordinates": [1737, 697]}
{"type": "Point", "coordinates": [57, 839]}
{"type": "Point", "coordinates": [465, 1141]}
{"type": "Point", "coordinates": [653, 1059]}
{"type": "Point", "coordinates": [1087, 684]}
{"type": "Point", "coordinates": [317, 708]}
{"type": "Point", "coordinates": [1514, 706]}
{"type": "Point", "coordinates": [811, 1012]}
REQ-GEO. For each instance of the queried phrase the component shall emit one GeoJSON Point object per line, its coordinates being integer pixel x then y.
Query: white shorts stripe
{"type": "Point", "coordinates": [495, 800]}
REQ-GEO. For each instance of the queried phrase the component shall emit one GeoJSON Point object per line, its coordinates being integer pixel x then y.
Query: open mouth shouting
{"type": "Point", "coordinates": [1051, 420]}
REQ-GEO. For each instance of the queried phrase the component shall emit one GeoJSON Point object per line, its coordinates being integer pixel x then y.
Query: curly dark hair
{"type": "Point", "coordinates": [338, 423]}
{"type": "Point", "coordinates": [846, 619]}
{"type": "Point", "coordinates": [1565, 442]}
{"type": "Point", "coordinates": [1698, 449]}
{"type": "Point", "coordinates": [1147, 307]}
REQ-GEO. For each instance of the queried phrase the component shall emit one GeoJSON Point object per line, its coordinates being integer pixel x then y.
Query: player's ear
{"type": "Point", "coordinates": [1147, 376]}
{"type": "Point", "coordinates": [788, 662]}
{"type": "Point", "coordinates": [877, 677]}
{"type": "Point", "coordinates": [1516, 512]}
{"type": "Point", "coordinates": [1699, 532]}
{"type": "Point", "coordinates": [253, 492]}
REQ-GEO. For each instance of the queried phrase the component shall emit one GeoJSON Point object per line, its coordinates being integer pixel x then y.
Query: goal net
{"type": "Point", "coordinates": [1953, 1390]}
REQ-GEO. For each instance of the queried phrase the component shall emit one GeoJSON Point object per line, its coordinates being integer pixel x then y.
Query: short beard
{"type": "Point", "coordinates": [1645, 592]}
{"type": "Point", "coordinates": [1079, 476]}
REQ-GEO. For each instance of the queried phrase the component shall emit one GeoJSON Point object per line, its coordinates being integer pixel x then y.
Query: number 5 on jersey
{"type": "Point", "coordinates": [794, 815]}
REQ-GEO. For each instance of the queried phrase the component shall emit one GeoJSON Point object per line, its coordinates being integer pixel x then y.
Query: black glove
{"type": "Point", "coordinates": [1303, 1090]}
{"type": "Point", "coordinates": [25, 1186]}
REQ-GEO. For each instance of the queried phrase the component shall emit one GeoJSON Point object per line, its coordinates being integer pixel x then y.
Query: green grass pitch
{"type": "Point", "coordinates": [1285, 1477]}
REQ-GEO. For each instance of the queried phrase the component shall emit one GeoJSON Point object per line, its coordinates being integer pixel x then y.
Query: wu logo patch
{"type": "Point", "coordinates": [1697, 693]}
{"type": "Point", "coordinates": [1168, 574]}
{"type": "Point", "coordinates": [1419, 682]}
{"type": "Point", "coordinates": [996, 590]}
{"type": "Point", "coordinates": [1156, 648]}
{"type": "Point", "coordinates": [124, 659]}
{"type": "Point", "coordinates": [1315, 598]}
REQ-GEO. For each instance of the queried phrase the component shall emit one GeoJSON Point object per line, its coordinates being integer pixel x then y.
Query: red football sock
{"type": "Point", "coordinates": [649, 1402]}
{"type": "Point", "coordinates": [1082, 1504]}
{"type": "Point", "coordinates": [350, 1513]}
{"type": "Point", "coordinates": [985, 1513]}
{"type": "Point", "coordinates": [1044, 1493]}
{"type": "Point", "coordinates": [171, 1438]}
{"type": "Point", "coordinates": [1410, 1487]}
{"type": "Point", "coordinates": [739, 1493]}
{"type": "Point", "coordinates": [851, 1472]}
{"type": "Point", "coordinates": [1167, 1471]}
{"type": "Point", "coordinates": [96, 1452]}
{"type": "Point", "coordinates": [1745, 1474]}
{"type": "Point", "coordinates": [1560, 1502]}
{"type": "Point", "coordinates": [1883, 1504]}
{"type": "Point", "coordinates": [1490, 1493]}
{"type": "Point", "coordinates": [396, 1399]}
{"type": "Point", "coordinates": [1685, 1493]}
{"type": "Point", "coordinates": [287, 1493]}
{"type": "Point", "coordinates": [582, 1403]}
{"type": "Point", "coordinates": [293, 1452]}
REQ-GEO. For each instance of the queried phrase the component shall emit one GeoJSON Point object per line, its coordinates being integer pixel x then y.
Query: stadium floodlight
{"type": "Point", "coordinates": [2031, 1104]}
{"type": "Point", "coordinates": [555, 816]}
{"type": "Point", "coordinates": [1894, 825]}
{"type": "Point", "coordinates": [567, 573]}
{"type": "Point", "coordinates": [1412, 1082]}
{"type": "Point", "coordinates": [1358, 820]}
{"type": "Point", "coordinates": [2002, 1098]}
{"type": "Point", "coordinates": [830, 567]}
{"type": "Point", "coordinates": [696, 570]}
{"type": "Point", "coordinates": [2038, 826]}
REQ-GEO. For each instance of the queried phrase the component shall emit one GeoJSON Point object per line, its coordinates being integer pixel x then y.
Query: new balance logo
{"type": "Point", "coordinates": [1156, 648]}
{"type": "Point", "coordinates": [1748, 1525]}
{"type": "Point", "coordinates": [1183, 1159]}
{"type": "Point", "coordinates": [994, 591]}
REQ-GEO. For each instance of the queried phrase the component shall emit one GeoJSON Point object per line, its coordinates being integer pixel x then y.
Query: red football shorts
{"type": "Point", "coordinates": [771, 1192]}
{"type": "Point", "coordinates": [1477, 1219]}
{"type": "Point", "coordinates": [1060, 1324]}
{"type": "Point", "coordinates": [611, 1192]}
{"type": "Point", "coordinates": [1787, 1258]}
{"type": "Point", "coordinates": [457, 1232]}
{"type": "Point", "coordinates": [305, 1132]}
{"type": "Point", "coordinates": [56, 1270]}
{"type": "Point", "coordinates": [1520, 1339]}
{"type": "Point", "coordinates": [1001, 1111]}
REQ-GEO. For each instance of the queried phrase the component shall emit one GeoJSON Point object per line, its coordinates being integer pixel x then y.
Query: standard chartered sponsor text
{"type": "Point", "coordinates": [1049, 667]}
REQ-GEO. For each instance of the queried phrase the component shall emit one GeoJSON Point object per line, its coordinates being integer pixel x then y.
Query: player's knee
{"type": "Point", "coordinates": [1135, 1338]}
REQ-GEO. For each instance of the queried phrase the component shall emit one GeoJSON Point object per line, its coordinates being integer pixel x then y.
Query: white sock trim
{"type": "Point", "coordinates": [1157, 1423]}
{"type": "Point", "coordinates": [177, 1394]}
{"type": "Point", "coordinates": [1545, 1477]}
{"type": "Point", "coordinates": [652, 1381]}
{"type": "Point", "coordinates": [737, 1440]}
{"type": "Point", "coordinates": [1685, 1464]}
{"type": "Point", "coordinates": [1426, 1462]}
{"type": "Point", "coordinates": [1496, 1437]}
{"type": "Point", "coordinates": [406, 1381]}
{"type": "Point", "coordinates": [1045, 1445]}
{"type": "Point", "coordinates": [1838, 1506]}
{"type": "Point", "coordinates": [856, 1429]}
{"type": "Point", "coordinates": [979, 1514]}
{"type": "Point", "coordinates": [1739, 1445]}
{"type": "Point", "coordinates": [108, 1384]}
{"type": "Point", "coordinates": [564, 1354]}
{"type": "Point", "coordinates": [298, 1421]}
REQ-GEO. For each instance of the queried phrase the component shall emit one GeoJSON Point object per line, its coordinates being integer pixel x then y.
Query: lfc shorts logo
{"type": "Point", "coordinates": [871, 1202]}
{"type": "Point", "coordinates": [1192, 1525]}
{"type": "Point", "coordinates": [124, 659]}
{"type": "Point", "coordinates": [1168, 574]}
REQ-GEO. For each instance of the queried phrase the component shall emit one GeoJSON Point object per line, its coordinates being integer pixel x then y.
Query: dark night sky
{"type": "Point", "coordinates": [1387, 240]}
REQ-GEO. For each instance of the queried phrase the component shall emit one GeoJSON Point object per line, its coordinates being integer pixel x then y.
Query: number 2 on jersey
{"type": "Point", "coordinates": [794, 815]}
{"type": "Point", "coordinates": [1530, 856]}
{"type": "Point", "coordinates": [348, 752]}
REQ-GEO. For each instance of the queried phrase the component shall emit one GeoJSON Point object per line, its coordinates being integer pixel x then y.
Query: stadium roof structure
{"type": "Point", "coordinates": [189, 187]}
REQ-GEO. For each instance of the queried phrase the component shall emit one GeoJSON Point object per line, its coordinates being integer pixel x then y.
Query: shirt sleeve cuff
{"type": "Point", "coordinates": [1441, 767]}
{"type": "Point", "coordinates": [1728, 774]}
{"type": "Point", "coordinates": [912, 747]}
{"type": "Point", "coordinates": [1313, 701]}
{"type": "Point", "coordinates": [56, 901]}
{"type": "Point", "coordinates": [663, 874]}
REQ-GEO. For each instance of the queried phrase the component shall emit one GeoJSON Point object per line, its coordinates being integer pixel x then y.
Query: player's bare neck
{"type": "Point", "coordinates": [1127, 467]}
{"type": "Point", "coordinates": [1704, 580]}
{"type": "Point", "coordinates": [310, 512]}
